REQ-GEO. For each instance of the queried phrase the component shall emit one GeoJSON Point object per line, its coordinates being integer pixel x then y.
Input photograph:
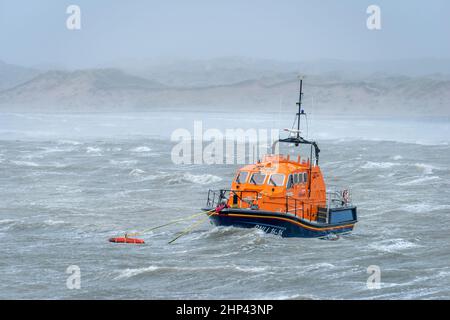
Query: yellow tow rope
{"type": "Point", "coordinates": [167, 224]}
{"type": "Point", "coordinates": [190, 228]}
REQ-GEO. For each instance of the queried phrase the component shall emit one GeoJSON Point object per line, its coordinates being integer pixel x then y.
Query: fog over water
{"type": "Point", "coordinates": [421, 130]}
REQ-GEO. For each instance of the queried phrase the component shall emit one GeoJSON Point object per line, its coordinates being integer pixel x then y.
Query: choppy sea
{"type": "Point", "coordinates": [68, 182]}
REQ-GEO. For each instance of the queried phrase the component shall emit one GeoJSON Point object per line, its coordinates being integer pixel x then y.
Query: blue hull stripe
{"type": "Point", "coordinates": [275, 224]}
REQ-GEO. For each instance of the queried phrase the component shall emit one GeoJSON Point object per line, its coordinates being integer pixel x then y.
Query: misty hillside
{"type": "Point", "coordinates": [114, 90]}
{"type": "Point", "coordinates": [331, 86]}
{"type": "Point", "coordinates": [230, 70]}
{"type": "Point", "coordinates": [82, 90]}
{"type": "Point", "coordinates": [12, 75]}
{"type": "Point", "coordinates": [212, 72]}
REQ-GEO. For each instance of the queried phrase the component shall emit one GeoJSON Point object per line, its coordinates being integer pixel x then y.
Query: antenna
{"type": "Point", "coordinates": [299, 103]}
{"type": "Point", "coordinates": [298, 139]}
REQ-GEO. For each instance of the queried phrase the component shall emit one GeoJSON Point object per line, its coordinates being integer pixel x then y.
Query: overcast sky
{"type": "Point", "coordinates": [34, 32]}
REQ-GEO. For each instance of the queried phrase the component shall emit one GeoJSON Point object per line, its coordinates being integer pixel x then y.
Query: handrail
{"type": "Point", "coordinates": [293, 205]}
{"type": "Point", "coordinates": [339, 198]}
{"type": "Point", "coordinates": [221, 195]}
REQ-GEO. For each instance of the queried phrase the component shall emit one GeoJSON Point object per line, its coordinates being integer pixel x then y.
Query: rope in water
{"type": "Point", "coordinates": [167, 224]}
{"type": "Point", "coordinates": [190, 228]}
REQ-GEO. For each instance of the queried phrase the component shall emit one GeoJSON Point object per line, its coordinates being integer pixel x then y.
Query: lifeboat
{"type": "Point", "coordinates": [284, 195]}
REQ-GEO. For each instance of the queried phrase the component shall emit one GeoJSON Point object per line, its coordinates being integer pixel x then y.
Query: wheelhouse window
{"type": "Point", "coordinates": [257, 178]}
{"type": "Point", "coordinates": [290, 182]}
{"type": "Point", "coordinates": [276, 180]}
{"type": "Point", "coordinates": [241, 177]}
{"type": "Point", "coordinates": [305, 177]}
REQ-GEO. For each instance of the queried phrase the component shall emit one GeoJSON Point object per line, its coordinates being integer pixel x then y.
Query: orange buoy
{"type": "Point", "coordinates": [126, 240]}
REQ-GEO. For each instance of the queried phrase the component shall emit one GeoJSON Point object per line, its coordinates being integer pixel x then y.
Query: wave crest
{"type": "Point", "coordinates": [193, 178]}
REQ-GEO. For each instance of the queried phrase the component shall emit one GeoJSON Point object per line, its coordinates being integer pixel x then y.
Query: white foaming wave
{"type": "Point", "coordinates": [136, 172]}
{"type": "Point", "coordinates": [319, 266]}
{"type": "Point", "coordinates": [132, 272]}
{"type": "Point", "coordinates": [151, 177]}
{"type": "Point", "coordinates": [393, 245]}
{"type": "Point", "coordinates": [198, 179]}
{"type": "Point", "coordinates": [379, 165]}
{"type": "Point", "coordinates": [26, 163]}
{"type": "Point", "coordinates": [123, 162]}
{"type": "Point", "coordinates": [425, 207]}
{"type": "Point", "coordinates": [389, 175]}
{"type": "Point", "coordinates": [331, 138]}
{"type": "Point", "coordinates": [427, 168]}
{"type": "Point", "coordinates": [34, 164]}
{"type": "Point", "coordinates": [141, 149]}
{"type": "Point", "coordinates": [226, 231]}
{"type": "Point", "coordinates": [252, 269]}
{"type": "Point", "coordinates": [397, 157]}
{"type": "Point", "coordinates": [187, 177]}
{"type": "Point", "coordinates": [33, 225]}
{"type": "Point", "coordinates": [431, 143]}
{"type": "Point", "coordinates": [32, 156]}
{"type": "Point", "coordinates": [57, 149]}
{"type": "Point", "coordinates": [71, 142]}
{"type": "Point", "coordinates": [51, 222]}
{"type": "Point", "coordinates": [418, 181]}
{"type": "Point", "coordinates": [7, 221]}
{"type": "Point", "coordinates": [93, 150]}
{"type": "Point", "coordinates": [59, 165]}
{"type": "Point", "coordinates": [290, 297]}
{"type": "Point", "coordinates": [202, 178]}
{"type": "Point", "coordinates": [129, 273]}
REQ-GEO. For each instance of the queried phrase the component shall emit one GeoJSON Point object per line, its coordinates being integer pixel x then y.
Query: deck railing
{"type": "Point", "coordinates": [295, 206]}
{"type": "Point", "coordinates": [216, 197]}
{"type": "Point", "coordinates": [338, 197]}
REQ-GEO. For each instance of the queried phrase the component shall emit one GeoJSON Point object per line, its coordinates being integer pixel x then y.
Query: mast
{"type": "Point", "coordinates": [299, 103]}
{"type": "Point", "coordinates": [312, 144]}
{"type": "Point", "coordinates": [297, 139]}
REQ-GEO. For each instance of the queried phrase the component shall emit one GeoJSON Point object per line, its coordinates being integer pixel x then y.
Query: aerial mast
{"type": "Point", "coordinates": [299, 103]}
{"type": "Point", "coordinates": [298, 139]}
